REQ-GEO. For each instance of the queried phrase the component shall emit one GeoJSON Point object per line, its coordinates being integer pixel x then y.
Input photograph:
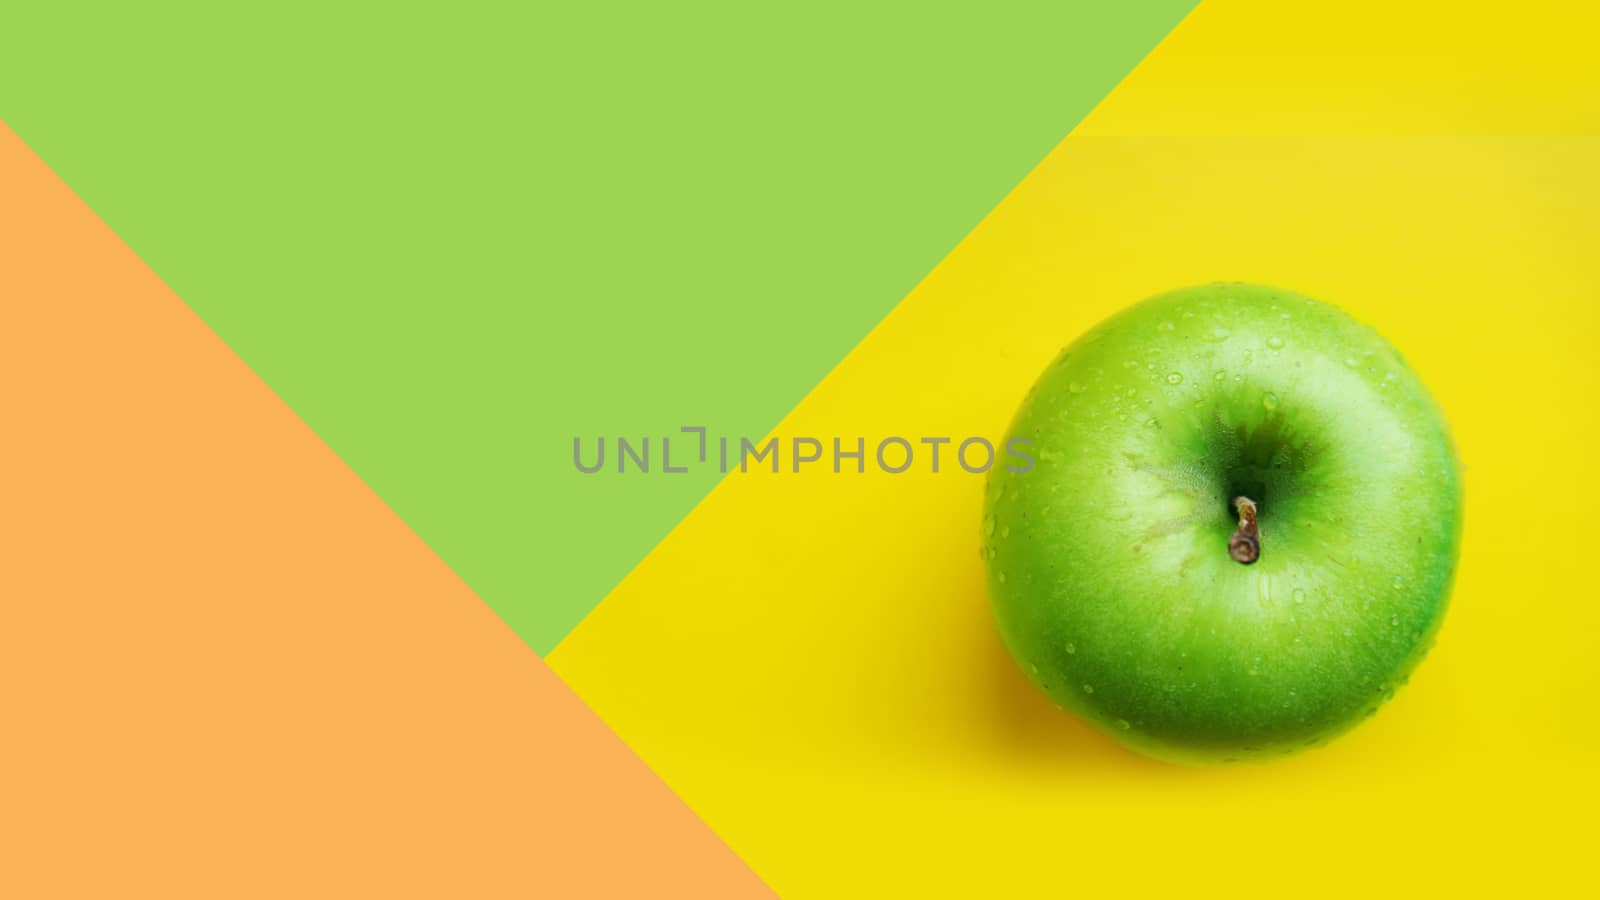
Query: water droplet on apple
{"type": "Point", "coordinates": [1088, 689]}
{"type": "Point", "coordinates": [1350, 361]}
{"type": "Point", "coordinates": [1394, 619]}
{"type": "Point", "coordinates": [1151, 422]}
{"type": "Point", "coordinates": [1005, 532]}
{"type": "Point", "coordinates": [1124, 724]}
{"type": "Point", "coordinates": [1174, 378]}
{"type": "Point", "coordinates": [1221, 374]}
{"type": "Point", "coordinates": [1166, 326]}
{"type": "Point", "coordinates": [1002, 578]}
{"type": "Point", "coordinates": [1398, 582]}
{"type": "Point", "coordinates": [1299, 595]}
{"type": "Point", "coordinates": [988, 526]}
{"type": "Point", "coordinates": [1348, 632]}
{"type": "Point", "coordinates": [1275, 342]}
{"type": "Point", "coordinates": [1270, 401]}
{"type": "Point", "coordinates": [1077, 387]}
{"type": "Point", "coordinates": [1034, 668]}
{"type": "Point", "coordinates": [1220, 334]}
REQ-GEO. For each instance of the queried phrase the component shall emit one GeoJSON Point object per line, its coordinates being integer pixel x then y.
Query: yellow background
{"type": "Point", "coordinates": [808, 659]}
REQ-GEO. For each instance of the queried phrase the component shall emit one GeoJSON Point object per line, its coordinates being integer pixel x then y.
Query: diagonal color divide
{"type": "Point", "coordinates": [227, 669]}
{"type": "Point", "coordinates": [454, 237]}
{"type": "Point", "coordinates": [808, 659]}
{"type": "Point", "coordinates": [1367, 67]}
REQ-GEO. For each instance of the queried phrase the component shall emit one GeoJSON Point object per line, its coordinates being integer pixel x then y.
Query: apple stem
{"type": "Point", "coordinates": [1245, 545]}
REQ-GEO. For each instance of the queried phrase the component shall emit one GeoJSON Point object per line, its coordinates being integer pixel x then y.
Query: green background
{"type": "Point", "coordinates": [455, 236]}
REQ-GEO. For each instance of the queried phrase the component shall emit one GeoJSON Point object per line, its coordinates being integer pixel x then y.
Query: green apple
{"type": "Point", "coordinates": [1240, 529]}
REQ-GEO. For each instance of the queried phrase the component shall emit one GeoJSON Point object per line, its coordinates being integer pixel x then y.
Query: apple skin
{"type": "Point", "coordinates": [1108, 563]}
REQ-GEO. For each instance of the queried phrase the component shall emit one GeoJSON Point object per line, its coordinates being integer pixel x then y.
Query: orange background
{"type": "Point", "coordinates": [228, 669]}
